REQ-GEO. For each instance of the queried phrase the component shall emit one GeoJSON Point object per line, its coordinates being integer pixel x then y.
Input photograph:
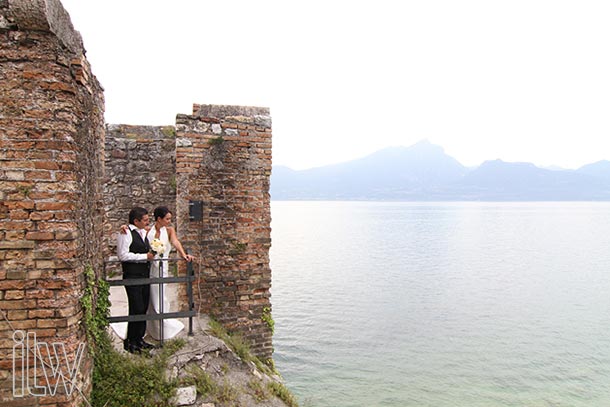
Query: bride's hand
{"type": "Point", "coordinates": [188, 258]}
{"type": "Point", "coordinates": [124, 229]}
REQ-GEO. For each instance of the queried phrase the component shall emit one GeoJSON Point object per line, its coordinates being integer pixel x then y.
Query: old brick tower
{"type": "Point", "coordinates": [65, 190]}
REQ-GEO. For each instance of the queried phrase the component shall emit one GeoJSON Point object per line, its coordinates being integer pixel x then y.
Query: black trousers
{"type": "Point", "coordinates": [138, 297]}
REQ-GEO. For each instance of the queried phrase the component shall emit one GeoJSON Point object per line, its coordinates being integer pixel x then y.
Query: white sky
{"type": "Point", "coordinates": [516, 80]}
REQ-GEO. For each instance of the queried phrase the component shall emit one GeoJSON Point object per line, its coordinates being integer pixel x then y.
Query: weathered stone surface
{"type": "Point", "coordinates": [140, 171]}
{"type": "Point", "coordinates": [51, 152]}
{"type": "Point", "coordinates": [185, 396]}
{"type": "Point", "coordinates": [222, 157]}
{"type": "Point", "coordinates": [216, 129]}
{"type": "Point", "coordinates": [183, 142]}
{"type": "Point", "coordinates": [46, 15]}
{"type": "Point", "coordinates": [223, 111]}
{"type": "Point", "coordinates": [263, 121]}
{"type": "Point", "coordinates": [209, 355]}
{"type": "Point", "coordinates": [230, 175]}
{"type": "Point", "coordinates": [59, 208]}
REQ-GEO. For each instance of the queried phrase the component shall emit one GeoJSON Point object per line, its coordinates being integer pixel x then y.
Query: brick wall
{"type": "Point", "coordinates": [51, 149]}
{"type": "Point", "coordinates": [221, 155]}
{"type": "Point", "coordinates": [55, 218]}
{"type": "Point", "coordinates": [140, 171]}
{"type": "Point", "coordinates": [223, 158]}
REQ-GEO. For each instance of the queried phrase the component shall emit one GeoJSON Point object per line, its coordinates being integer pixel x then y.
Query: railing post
{"type": "Point", "coordinates": [189, 292]}
{"type": "Point", "coordinates": [161, 301]}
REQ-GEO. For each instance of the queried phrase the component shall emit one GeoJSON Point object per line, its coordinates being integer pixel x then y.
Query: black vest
{"type": "Point", "coordinates": [137, 246]}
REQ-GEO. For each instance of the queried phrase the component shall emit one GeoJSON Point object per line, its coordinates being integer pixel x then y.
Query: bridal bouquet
{"type": "Point", "coordinates": [157, 247]}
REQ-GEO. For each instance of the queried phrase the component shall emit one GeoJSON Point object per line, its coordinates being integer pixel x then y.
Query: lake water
{"type": "Point", "coordinates": [442, 304]}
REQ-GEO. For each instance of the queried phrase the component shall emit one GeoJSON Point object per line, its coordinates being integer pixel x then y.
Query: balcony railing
{"type": "Point", "coordinates": [161, 281]}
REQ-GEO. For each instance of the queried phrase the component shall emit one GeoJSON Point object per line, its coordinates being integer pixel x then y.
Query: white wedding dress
{"type": "Point", "coordinates": [171, 327]}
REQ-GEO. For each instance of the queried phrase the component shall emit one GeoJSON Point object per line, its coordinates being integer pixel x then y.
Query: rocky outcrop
{"type": "Point", "coordinates": [230, 381]}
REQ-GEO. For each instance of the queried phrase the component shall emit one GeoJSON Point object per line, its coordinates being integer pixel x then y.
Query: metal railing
{"type": "Point", "coordinates": [160, 281]}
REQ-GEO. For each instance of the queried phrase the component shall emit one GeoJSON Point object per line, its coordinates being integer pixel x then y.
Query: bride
{"type": "Point", "coordinates": [162, 236]}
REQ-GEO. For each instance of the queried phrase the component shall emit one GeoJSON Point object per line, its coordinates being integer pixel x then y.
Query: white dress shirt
{"type": "Point", "coordinates": [122, 246]}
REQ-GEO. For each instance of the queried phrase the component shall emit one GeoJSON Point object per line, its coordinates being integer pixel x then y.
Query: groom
{"type": "Point", "coordinates": [133, 249]}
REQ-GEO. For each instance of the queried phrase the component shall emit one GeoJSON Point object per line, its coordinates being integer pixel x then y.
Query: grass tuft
{"type": "Point", "coordinates": [202, 380]}
{"type": "Point", "coordinates": [125, 380]}
{"type": "Point", "coordinates": [258, 391]}
{"type": "Point", "coordinates": [279, 390]}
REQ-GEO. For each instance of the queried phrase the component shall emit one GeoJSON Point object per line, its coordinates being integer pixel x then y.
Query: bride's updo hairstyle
{"type": "Point", "coordinates": [160, 212]}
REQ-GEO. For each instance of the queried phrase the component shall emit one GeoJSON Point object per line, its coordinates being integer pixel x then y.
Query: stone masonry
{"type": "Point", "coordinates": [223, 159]}
{"type": "Point", "coordinates": [67, 182]}
{"type": "Point", "coordinates": [140, 171]}
{"type": "Point", "coordinates": [51, 157]}
{"type": "Point", "coordinates": [221, 156]}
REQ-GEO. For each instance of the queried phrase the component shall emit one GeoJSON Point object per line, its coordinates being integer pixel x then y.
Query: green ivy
{"type": "Point", "coordinates": [267, 318]}
{"type": "Point", "coordinates": [96, 309]}
{"type": "Point", "coordinates": [121, 379]}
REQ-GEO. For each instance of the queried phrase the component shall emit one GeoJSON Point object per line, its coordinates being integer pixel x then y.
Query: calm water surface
{"type": "Point", "coordinates": [443, 304]}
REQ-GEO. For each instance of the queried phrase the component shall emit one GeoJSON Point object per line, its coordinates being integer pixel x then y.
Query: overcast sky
{"type": "Point", "coordinates": [515, 80]}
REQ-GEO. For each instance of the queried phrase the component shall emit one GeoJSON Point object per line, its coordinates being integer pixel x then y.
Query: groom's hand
{"type": "Point", "coordinates": [150, 256]}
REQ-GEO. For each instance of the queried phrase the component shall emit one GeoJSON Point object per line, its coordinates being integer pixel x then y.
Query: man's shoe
{"type": "Point", "coordinates": [145, 345]}
{"type": "Point", "coordinates": [134, 349]}
{"type": "Point", "coordinates": [131, 347]}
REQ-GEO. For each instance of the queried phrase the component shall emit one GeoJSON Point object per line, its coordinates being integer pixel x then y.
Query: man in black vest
{"type": "Point", "coordinates": [133, 250]}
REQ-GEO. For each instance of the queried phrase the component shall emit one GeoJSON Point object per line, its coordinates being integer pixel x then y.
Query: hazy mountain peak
{"type": "Point", "coordinates": [599, 169]}
{"type": "Point", "coordinates": [422, 156]}
{"type": "Point", "coordinates": [499, 163]}
{"type": "Point", "coordinates": [423, 171]}
{"type": "Point", "coordinates": [424, 142]}
{"type": "Point", "coordinates": [422, 148]}
{"type": "Point", "coordinates": [426, 145]}
{"type": "Point", "coordinates": [598, 164]}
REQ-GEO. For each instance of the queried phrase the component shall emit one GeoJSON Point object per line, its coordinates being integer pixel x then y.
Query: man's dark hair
{"type": "Point", "coordinates": [136, 213]}
{"type": "Point", "coordinates": [160, 212]}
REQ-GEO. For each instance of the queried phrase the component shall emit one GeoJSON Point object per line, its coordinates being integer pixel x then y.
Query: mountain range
{"type": "Point", "coordinates": [424, 172]}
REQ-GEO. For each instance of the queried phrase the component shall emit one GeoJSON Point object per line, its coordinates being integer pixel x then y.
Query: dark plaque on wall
{"type": "Point", "coordinates": [195, 211]}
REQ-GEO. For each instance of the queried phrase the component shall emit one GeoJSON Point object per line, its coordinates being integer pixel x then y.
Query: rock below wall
{"type": "Point", "coordinates": [234, 381]}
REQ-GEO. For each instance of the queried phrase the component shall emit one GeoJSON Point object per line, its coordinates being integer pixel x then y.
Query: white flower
{"type": "Point", "coordinates": [157, 246]}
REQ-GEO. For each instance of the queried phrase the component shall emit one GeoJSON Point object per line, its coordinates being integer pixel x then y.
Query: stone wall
{"type": "Point", "coordinates": [51, 149]}
{"type": "Point", "coordinates": [223, 159]}
{"type": "Point", "coordinates": [221, 156]}
{"type": "Point", "coordinates": [140, 171]}
{"type": "Point", "coordinates": [59, 208]}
